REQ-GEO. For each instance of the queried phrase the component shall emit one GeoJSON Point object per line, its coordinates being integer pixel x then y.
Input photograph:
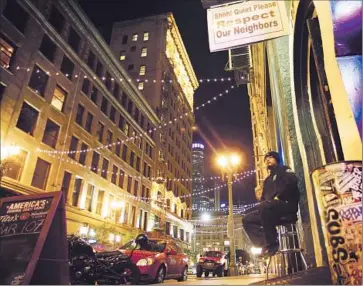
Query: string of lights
{"type": "Point", "coordinates": [235, 208]}
{"type": "Point", "coordinates": [212, 218]}
{"type": "Point", "coordinates": [212, 80]}
{"type": "Point", "coordinates": [143, 79]}
{"type": "Point", "coordinates": [213, 232]}
{"type": "Point", "coordinates": [247, 174]}
{"type": "Point", "coordinates": [139, 135]}
{"type": "Point", "coordinates": [104, 171]}
{"type": "Point", "coordinates": [213, 225]}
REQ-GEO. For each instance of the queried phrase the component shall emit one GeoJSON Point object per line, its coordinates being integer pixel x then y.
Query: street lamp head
{"type": "Point", "coordinates": [222, 161]}
{"type": "Point", "coordinates": [227, 161]}
{"type": "Point", "coordinates": [235, 160]}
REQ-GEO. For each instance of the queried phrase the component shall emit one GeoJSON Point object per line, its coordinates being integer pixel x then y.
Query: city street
{"type": "Point", "coordinates": [236, 280]}
{"type": "Point", "coordinates": [150, 139]}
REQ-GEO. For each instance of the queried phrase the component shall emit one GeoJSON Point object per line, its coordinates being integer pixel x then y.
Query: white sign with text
{"type": "Point", "coordinates": [245, 23]}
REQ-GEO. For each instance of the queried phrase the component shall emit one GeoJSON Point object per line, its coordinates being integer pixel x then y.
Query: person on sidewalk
{"type": "Point", "coordinates": [280, 197]}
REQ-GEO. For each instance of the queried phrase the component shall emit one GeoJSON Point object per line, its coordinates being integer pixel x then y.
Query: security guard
{"type": "Point", "coordinates": [280, 197]}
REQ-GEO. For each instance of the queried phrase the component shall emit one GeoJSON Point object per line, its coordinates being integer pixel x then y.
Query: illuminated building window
{"type": "Point", "coordinates": [100, 197]}
{"type": "Point", "coordinates": [142, 70]}
{"type": "Point", "coordinates": [141, 85]}
{"type": "Point", "coordinates": [146, 36]}
{"type": "Point", "coordinates": [143, 52]}
{"type": "Point", "coordinates": [59, 97]}
{"type": "Point", "coordinates": [89, 197]}
{"type": "Point", "coordinates": [134, 37]}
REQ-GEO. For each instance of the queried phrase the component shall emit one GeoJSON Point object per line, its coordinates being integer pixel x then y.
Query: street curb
{"type": "Point", "coordinates": [312, 276]}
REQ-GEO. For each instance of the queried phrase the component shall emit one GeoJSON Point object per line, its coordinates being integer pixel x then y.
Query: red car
{"type": "Point", "coordinates": [158, 259]}
{"type": "Point", "coordinates": [214, 262]}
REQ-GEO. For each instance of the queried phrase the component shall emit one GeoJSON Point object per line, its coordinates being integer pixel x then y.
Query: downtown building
{"type": "Point", "coordinates": [152, 51]}
{"type": "Point", "coordinates": [80, 125]}
{"type": "Point", "coordinates": [199, 200]}
{"type": "Point", "coordinates": [211, 234]}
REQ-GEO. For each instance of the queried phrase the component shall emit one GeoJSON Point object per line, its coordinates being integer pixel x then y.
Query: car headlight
{"type": "Point", "coordinates": [145, 262]}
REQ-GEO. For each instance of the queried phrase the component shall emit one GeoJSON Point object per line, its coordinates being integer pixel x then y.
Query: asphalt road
{"type": "Point", "coordinates": [236, 280]}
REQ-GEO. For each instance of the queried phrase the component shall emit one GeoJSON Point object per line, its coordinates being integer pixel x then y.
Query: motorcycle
{"type": "Point", "coordinates": [86, 267]}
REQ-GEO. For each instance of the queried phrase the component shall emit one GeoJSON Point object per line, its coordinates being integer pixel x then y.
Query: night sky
{"type": "Point", "coordinates": [224, 124]}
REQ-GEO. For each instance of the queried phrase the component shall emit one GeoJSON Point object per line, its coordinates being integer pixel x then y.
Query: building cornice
{"type": "Point", "coordinates": [182, 50]}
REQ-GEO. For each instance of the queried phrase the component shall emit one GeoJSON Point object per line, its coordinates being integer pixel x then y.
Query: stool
{"type": "Point", "coordinates": [288, 236]}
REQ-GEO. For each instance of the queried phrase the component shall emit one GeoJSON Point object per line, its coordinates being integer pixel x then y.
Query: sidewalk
{"type": "Point", "coordinates": [313, 276]}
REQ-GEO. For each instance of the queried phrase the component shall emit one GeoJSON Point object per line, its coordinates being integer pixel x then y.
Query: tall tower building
{"type": "Point", "coordinates": [198, 176]}
{"type": "Point", "coordinates": [217, 198]}
{"type": "Point", "coordinates": [152, 51]}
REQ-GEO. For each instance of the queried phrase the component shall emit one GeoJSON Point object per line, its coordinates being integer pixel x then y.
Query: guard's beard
{"type": "Point", "coordinates": [271, 167]}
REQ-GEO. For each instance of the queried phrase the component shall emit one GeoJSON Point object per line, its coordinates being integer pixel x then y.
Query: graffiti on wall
{"type": "Point", "coordinates": [338, 190]}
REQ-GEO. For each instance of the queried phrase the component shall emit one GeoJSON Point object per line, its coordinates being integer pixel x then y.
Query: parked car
{"type": "Point", "coordinates": [192, 270]}
{"type": "Point", "coordinates": [158, 259]}
{"type": "Point", "coordinates": [214, 262]}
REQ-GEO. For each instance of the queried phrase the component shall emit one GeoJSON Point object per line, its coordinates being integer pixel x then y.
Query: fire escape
{"type": "Point", "coordinates": [162, 163]}
{"type": "Point", "coordinates": [240, 61]}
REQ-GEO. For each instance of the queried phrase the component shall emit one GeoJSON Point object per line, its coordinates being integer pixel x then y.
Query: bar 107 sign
{"type": "Point", "coordinates": [245, 23]}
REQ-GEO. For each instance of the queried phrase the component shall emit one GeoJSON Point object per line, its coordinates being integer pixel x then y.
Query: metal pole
{"type": "Point", "coordinates": [231, 225]}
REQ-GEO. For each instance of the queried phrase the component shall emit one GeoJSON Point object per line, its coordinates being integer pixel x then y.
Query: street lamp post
{"type": "Point", "coordinates": [229, 166]}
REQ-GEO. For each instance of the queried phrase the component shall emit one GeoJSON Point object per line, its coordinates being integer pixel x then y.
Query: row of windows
{"type": "Point", "coordinates": [48, 49]}
{"type": "Point", "coordinates": [143, 54]}
{"type": "Point", "coordinates": [135, 37]}
{"type": "Point", "coordinates": [27, 122]}
{"type": "Point", "coordinates": [38, 82]}
{"type": "Point", "coordinates": [107, 138]}
{"type": "Point", "coordinates": [109, 110]}
{"type": "Point", "coordinates": [95, 201]}
{"type": "Point", "coordinates": [177, 159]}
{"type": "Point", "coordinates": [177, 233]}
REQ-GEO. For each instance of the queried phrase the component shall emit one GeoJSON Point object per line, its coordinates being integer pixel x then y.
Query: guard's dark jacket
{"type": "Point", "coordinates": [282, 182]}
